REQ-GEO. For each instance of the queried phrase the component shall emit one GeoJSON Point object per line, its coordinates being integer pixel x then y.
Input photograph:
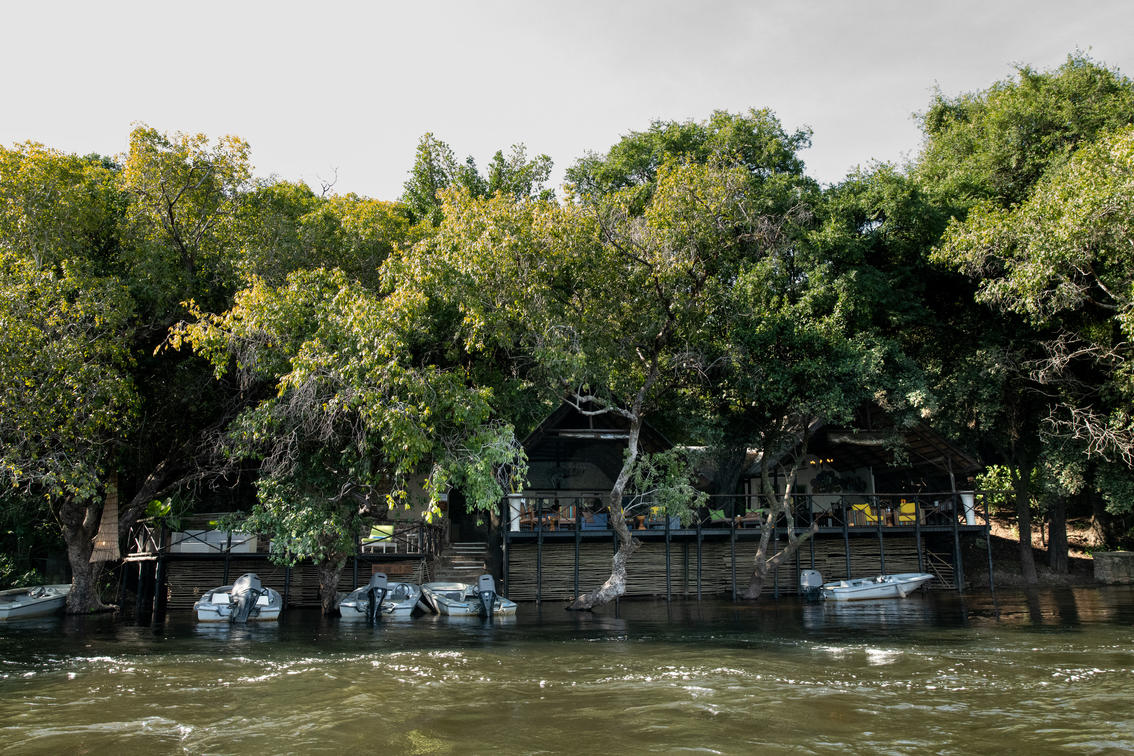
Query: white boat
{"type": "Point", "coordinates": [35, 601]}
{"type": "Point", "coordinates": [380, 597]}
{"type": "Point", "coordinates": [243, 601]}
{"type": "Point", "coordinates": [468, 600]}
{"type": "Point", "coordinates": [883, 586]}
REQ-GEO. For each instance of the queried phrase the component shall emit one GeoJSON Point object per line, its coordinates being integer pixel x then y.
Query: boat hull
{"type": "Point", "coordinates": [881, 587]}
{"type": "Point", "coordinates": [218, 605]}
{"type": "Point", "coordinates": [35, 601]}
{"type": "Point", "coordinates": [401, 600]}
{"type": "Point", "coordinates": [461, 600]}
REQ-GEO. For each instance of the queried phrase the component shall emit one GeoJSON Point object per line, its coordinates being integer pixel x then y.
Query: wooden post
{"type": "Point", "coordinates": [668, 590]}
{"type": "Point", "coordinates": [917, 534]}
{"type": "Point", "coordinates": [699, 536]}
{"type": "Point", "coordinates": [139, 593]}
{"type": "Point", "coordinates": [988, 547]}
{"type": "Point", "coordinates": [507, 548]}
{"type": "Point", "coordinates": [287, 585]}
{"type": "Point", "coordinates": [846, 533]}
{"type": "Point", "coordinates": [732, 550]}
{"type": "Point", "coordinates": [539, 551]}
{"type": "Point", "coordinates": [958, 568]}
{"type": "Point", "coordinates": [881, 547]}
{"type": "Point", "coordinates": [160, 580]}
{"type": "Point", "coordinates": [578, 541]}
{"type": "Point", "coordinates": [775, 549]}
{"type": "Point", "coordinates": [685, 569]}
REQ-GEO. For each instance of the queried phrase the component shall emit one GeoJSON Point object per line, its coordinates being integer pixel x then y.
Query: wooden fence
{"type": "Point", "coordinates": [550, 574]}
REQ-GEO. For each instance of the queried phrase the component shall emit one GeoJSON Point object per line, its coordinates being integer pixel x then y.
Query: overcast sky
{"type": "Point", "coordinates": [322, 89]}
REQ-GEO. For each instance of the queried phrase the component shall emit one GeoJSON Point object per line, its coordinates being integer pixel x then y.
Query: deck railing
{"type": "Point", "coordinates": [200, 535]}
{"type": "Point", "coordinates": [551, 511]}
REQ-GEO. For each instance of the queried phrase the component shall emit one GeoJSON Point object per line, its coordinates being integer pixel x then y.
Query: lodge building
{"type": "Point", "coordinates": [885, 499]}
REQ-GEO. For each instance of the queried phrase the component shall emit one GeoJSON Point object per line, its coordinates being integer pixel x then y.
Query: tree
{"type": "Point", "coordinates": [994, 145]}
{"type": "Point", "coordinates": [754, 141]}
{"type": "Point", "coordinates": [353, 419]}
{"type": "Point", "coordinates": [283, 227]}
{"type": "Point", "coordinates": [183, 195]}
{"type": "Point", "coordinates": [1062, 260]}
{"type": "Point", "coordinates": [984, 153]}
{"type": "Point", "coordinates": [66, 396]}
{"type": "Point", "coordinates": [436, 169]}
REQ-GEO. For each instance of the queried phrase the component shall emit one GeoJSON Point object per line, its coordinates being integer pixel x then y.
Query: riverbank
{"type": "Point", "coordinates": [1005, 543]}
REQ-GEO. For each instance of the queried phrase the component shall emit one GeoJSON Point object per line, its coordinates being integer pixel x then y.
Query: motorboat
{"type": "Point", "coordinates": [883, 586]}
{"type": "Point", "coordinates": [380, 597]}
{"type": "Point", "coordinates": [245, 600]}
{"type": "Point", "coordinates": [34, 601]}
{"type": "Point", "coordinates": [810, 585]}
{"type": "Point", "coordinates": [468, 599]}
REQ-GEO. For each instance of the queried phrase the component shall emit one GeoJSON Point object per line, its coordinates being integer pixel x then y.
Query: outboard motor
{"type": "Point", "coordinates": [375, 595]}
{"type": "Point", "coordinates": [486, 587]}
{"type": "Point", "coordinates": [245, 592]}
{"type": "Point", "coordinates": [810, 582]}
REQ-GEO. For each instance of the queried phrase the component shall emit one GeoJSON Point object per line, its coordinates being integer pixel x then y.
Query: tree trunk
{"type": "Point", "coordinates": [778, 506]}
{"type": "Point", "coordinates": [1057, 536]}
{"type": "Point", "coordinates": [329, 574]}
{"type": "Point", "coordinates": [1024, 521]}
{"type": "Point", "coordinates": [1102, 521]}
{"type": "Point", "coordinates": [615, 585]}
{"type": "Point", "coordinates": [79, 524]}
{"type": "Point", "coordinates": [763, 567]}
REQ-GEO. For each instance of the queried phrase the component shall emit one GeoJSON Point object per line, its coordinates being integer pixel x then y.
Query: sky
{"type": "Point", "coordinates": [342, 91]}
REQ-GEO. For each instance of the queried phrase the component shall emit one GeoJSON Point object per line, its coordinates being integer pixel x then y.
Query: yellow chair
{"type": "Point", "coordinates": [381, 538]}
{"type": "Point", "coordinates": [907, 512]}
{"type": "Point", "coordinates": [864, 514]}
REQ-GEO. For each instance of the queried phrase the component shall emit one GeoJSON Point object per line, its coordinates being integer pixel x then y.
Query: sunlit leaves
{"type": "Point", "coordinates": [67, 393]}
{"type": "Point", "coordinates": [354, 422]}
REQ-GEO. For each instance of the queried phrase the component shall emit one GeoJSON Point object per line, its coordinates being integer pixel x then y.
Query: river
{"type": "Point", "coordinates": [1048, 672]}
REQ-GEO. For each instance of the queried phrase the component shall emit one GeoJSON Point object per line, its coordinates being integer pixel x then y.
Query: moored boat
{"type": "Point", "coordinates": [380, 597]}
{"type": "Point", "coordinates": [245, 600]}
{"type": "Point", "coordinates": [33, 601]}
{"type": "Point", "coordinates": [468, 600]}
{"type": "Point", "coordinates": [883, 586]}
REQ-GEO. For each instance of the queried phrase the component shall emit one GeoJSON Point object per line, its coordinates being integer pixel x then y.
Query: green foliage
{"type": "Point", "coordinates": [662, 484]}
{"type": "Point", "coordinates": [285, 227]}
{"type": "Point", "coordinates": [436, 170]}
{"type": "Point", "coordinates": [755, 142]}
{"type": "Point", "coordinates": [996, 144]}
{"type": "Point", "coordinates": [353, 423]}
{"type": "Point", "coordinates": [56, 207]}
{"type": "Point", "coordinates": [1062, 259]}
{"type": "Point", "coordinates": [179, 223]}
{"type": "Point", "coordinates": [67, 393]}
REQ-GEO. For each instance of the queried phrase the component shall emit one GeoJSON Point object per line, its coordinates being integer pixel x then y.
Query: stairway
{"type": "Point", "coordinates": [462, 562]}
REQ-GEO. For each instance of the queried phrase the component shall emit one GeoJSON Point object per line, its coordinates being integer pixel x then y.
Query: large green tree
{"type": "Point", "coordinates": [353, 419]}
{"type": "Point", "coordinates": [66, 395]}
{"type": "Point", "coordinates": [1062, 259]}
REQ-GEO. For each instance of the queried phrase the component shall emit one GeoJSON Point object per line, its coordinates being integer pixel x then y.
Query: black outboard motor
{"type": "Point", "coordinates": [375, 595]}
{"type": "Point", "coordinates": [810, 582]}
{"type": "Point", "coordinates": [245, 592]}
{"type": "Point", "coordinates": [486, 588]}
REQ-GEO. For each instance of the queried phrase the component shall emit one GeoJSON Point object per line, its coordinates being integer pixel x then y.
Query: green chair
{"type": "Point", "coordinates": [381, 538]}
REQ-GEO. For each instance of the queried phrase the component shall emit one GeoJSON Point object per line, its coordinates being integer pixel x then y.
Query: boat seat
{"type": "Point", "coordinates": [222, 598]}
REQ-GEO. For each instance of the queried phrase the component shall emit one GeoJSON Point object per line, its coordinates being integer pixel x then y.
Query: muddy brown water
{"type": "Point", "coordinates": [1046, 672]}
